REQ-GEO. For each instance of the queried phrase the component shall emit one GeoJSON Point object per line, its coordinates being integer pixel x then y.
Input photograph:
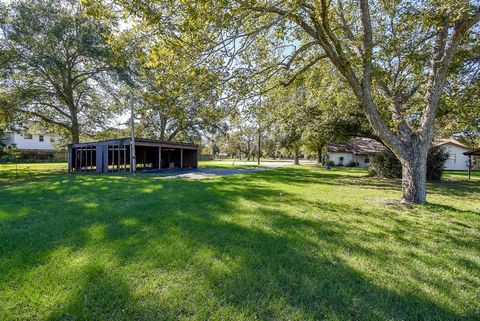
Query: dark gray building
{"type": "Point", "coordinates": [111, 156]}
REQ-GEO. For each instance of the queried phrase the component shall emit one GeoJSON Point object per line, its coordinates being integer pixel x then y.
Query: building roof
{"type": "Point", "coordinates": [359, 146]}
{"type": "Point", "coordinates": [366, 146]}
{"type": "Point", "coordinates": [445, 141]}
{"type": "Point", "coordinates": [139, 141]}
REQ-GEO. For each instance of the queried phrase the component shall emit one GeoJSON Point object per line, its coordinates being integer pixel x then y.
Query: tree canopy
{"type": "Point", "coordinates": [53, 60]}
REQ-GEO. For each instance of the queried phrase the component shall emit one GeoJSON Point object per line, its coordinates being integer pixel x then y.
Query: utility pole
{"type": "Point", "coordinates": [133, 158]}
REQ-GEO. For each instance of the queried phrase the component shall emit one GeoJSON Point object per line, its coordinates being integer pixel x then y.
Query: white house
{"type": "Point", "coordinates": [358, 151]}
{"type": "Point", "coordinates": [355, 150]}
{"type": "Point", "coordinates": [456, 158]}
{"type": "Point", "coordinates": [33, 142]}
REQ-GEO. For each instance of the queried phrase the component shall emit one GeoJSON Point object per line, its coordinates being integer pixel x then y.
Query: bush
{"type": "Point", "coordinates": [352, 164]}
{"type": "Point", "coordinates": [386, 164]}
{"type": "Point", "coordinates": [9, 154]}
{"type": "Point", "coordinates": [329, 163]}
{"type": "Point", "coordinates": [437, 156]}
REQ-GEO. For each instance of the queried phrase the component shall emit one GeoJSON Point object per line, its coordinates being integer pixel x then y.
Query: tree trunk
{"type": "Point", "coordinates": [259, 146]}
{"type": "Point", "coordinates": [75, 130]}
{"type": "Point", "coordinates": [319, 155]}
{"type": "Point", "coordinates": [414, 175]}
{"type": "Point", "coordinates": [297, 152]}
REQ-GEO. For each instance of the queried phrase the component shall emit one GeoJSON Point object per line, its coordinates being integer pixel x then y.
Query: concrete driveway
{"type": "Point", "coordinates": [202, 173]}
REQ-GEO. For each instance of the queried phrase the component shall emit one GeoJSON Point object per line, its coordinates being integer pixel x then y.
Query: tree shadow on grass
{"type": "Point", "coordinates": [284, 267]}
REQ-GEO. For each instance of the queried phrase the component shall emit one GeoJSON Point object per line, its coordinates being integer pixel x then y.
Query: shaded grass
{"type": "Point", "coordinates": [294, 243]}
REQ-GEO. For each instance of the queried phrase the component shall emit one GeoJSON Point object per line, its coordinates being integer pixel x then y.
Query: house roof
{"type": "Point", "coordinates": [445, 141]}
{"type": "Point", "coordinates": [359, 146]}
{"type": "Point", "coordinates": [366, 146]}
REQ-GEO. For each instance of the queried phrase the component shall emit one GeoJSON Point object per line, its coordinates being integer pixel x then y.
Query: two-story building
{"type": "Point", "coordinates": [31, 141]}
{"type": "Point", "coordinates": [35, 145]}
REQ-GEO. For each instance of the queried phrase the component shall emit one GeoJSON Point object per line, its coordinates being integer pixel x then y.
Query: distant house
{"type": "Point", "coordinates": [31, 142]}
{"type": "Point", "coordinates": [35, 146]}
{"type": "Point", "coordinates": [357, 152]}
{"type": "Point", "coordinates": [456, 158]}
{"type": "Point", "coordinates": [353, 151]}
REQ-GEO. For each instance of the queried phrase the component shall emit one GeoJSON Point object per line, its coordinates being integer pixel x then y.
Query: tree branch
{"type": "Point", "coordinates": [304, 69]}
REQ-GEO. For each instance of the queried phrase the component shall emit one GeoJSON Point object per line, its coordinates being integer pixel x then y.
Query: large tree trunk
{"type": "Point", "coordinates": [319, 155]}
{"type": "Point", "coordinates": [414, 180]}
{"type": "Point", "coordinates": [75, 130]}
{"type": "Point", "coordinates": [414, 174]}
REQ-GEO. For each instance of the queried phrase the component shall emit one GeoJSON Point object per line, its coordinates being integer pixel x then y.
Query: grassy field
{"type": "Point", "coordinates": [293, 243]}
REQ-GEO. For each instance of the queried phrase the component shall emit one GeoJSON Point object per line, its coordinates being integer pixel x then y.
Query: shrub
{"type": "Point", "coordinates": [437, 156]}
{"type": "Point", "coordinates": [9, 154]}
{"type": "Point", "coordinates": [330, 163]}
{"type": "Point", "coordinates": [386, 164]}
{"type": "Point", "coordinates": [352, 164]}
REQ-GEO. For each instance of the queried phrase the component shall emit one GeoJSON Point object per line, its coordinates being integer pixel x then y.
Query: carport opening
{"type": "Point", "coordinates": [171, 158]}
{"type": "Point", "coordinates": [147, 157]}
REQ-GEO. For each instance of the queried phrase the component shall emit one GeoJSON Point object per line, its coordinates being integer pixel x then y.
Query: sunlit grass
{"type": "Point", "coordinates": [22, 172]}
{"type": "Point", "coordinates": [295, 243]}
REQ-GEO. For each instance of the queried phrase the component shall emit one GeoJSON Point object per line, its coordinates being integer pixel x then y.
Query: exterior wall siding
{"type": "Point", "coordinates": [456, 159]}
{"type": "Point", "coordinates": [347, 159]}
{"type": "Point", "coordinates": [32, 144]}
{"type": "Point", "coordinates": [336, 158]}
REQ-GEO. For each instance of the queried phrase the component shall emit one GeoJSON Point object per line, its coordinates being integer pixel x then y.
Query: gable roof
{"type": "Point", "coordinates": [446, 141]}
{"type": "Point", "coordinates": [359, 146]}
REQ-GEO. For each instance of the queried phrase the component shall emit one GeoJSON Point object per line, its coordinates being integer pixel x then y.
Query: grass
{"type": "Point", "coordinates": [25, 172]}
{"type": "Point", "coordinates": [293, 243]}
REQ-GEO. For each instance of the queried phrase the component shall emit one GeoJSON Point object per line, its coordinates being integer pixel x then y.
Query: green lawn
{"type": "Point", "coordinates": [294, 243]}
{"type": "Point", "coordinates": [26, 172]}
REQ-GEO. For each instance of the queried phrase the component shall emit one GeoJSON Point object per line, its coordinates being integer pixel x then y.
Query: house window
{"type": "Point", "coordinates": [27, 136]}
{"type": "Point", "coordinates": [367, 161]}
{"type": "Point", "coordinates": [452, 158]}
{"type": "Point", "coordinates": [52, 140]}
{"type": "Point", "coordinates": [41, 138]}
